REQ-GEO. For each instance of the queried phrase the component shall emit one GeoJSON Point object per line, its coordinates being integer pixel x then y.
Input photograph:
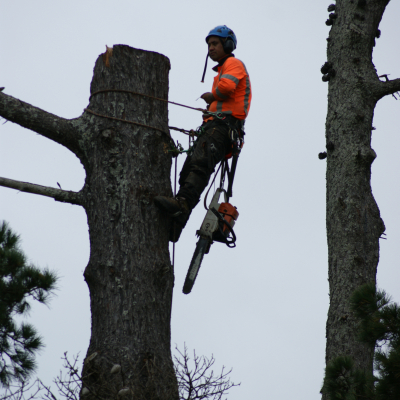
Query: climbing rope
{"type": "Point", "coordinates": [146, 95]}
{"type": "Point", "coordinates": [185, 131]}
{"type": "Point", "coordinates": [125, 120]}
{"type": "Point", "coordinates": [209, 188]}
{"type": "Point", "coordinates": [177, 148]}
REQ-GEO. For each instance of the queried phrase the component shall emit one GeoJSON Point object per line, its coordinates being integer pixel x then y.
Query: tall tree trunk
{"type": "Point", "coordinates": [129, 273]}
{"type": "Point", "coordinates": [354, 225]}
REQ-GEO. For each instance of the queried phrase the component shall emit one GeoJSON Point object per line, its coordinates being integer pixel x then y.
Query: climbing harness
{"type": "Point", "coordinates": [178, 149]}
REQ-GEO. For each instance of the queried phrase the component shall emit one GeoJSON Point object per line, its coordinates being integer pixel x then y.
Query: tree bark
{"type": "Point", "coordinates": [354, 225]}
{"type": "Point", "coordinates": [129, 273]}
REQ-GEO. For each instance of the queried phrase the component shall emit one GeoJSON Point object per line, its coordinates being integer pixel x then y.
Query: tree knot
{"type": "Point", "coordinates": [366, 155]}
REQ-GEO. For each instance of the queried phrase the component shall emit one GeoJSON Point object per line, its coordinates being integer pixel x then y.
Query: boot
{"type": "Point", "coordinates": [173, 206]}
{"type": "Point", "coordinates": [179, 211]}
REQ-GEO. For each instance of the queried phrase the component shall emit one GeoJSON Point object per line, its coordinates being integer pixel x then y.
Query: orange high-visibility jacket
{"type": "Point", "coordinates": [231, 88]}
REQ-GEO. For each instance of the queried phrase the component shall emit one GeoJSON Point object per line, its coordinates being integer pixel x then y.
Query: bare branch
{"type": "Point", "coordinates": [382, 89]}
{"type": "Point", "coordinates": [57, 194]}
{"type": "Point", "coordinates": [196, 382]}
{"type": "Point", "coordinates": [59, 129]}
{"type": "Point", "coordinates": [22, 391]}
{"type": "Point", "coordinates": [199, 382]}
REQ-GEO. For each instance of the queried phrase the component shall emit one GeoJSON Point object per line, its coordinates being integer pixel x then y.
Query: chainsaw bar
{"type": "Point", "coordinates": [201, 248]}
{"type": "Point", "coordinates": [217, 226]}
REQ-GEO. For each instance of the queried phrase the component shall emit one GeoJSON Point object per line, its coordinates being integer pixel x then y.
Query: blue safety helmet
{"type": "Point", "coordinates": [224, 32]}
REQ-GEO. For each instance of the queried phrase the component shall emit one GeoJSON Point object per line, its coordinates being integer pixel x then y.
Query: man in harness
{"type": "Point", "coordinates": [228, 104]}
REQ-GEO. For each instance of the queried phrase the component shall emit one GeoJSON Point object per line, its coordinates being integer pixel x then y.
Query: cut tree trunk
{"type": "Point", "coordinates": [129, 274]}
{"type": "Point", "coordinates": [354, 225]}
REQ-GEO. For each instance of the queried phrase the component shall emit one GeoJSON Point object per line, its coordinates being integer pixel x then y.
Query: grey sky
{"type": "Point", "coordinates": [259, 308]}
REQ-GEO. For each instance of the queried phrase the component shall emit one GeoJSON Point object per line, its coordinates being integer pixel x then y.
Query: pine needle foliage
{"type": "Point", "coordinates": [379, 325]}
{"type": "Point", "coordinates": [368, 304]}
{"type": "Point", "coordinates": [344, 382]}
{"type": "Point", "coordinates": [19, 282]}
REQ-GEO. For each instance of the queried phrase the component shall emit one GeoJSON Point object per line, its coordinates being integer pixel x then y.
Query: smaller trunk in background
{"type": "Point", "coordinates": [354, 225]}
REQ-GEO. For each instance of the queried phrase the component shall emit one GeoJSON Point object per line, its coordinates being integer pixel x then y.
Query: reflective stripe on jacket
{"type": "Point", "coordinates": [231, 88]}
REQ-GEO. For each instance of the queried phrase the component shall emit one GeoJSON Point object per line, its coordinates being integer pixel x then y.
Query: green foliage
{"type": "Point", "coordinates": [18, 283]}
{"type": "Point", "coordinates": [343, 382]}
{"type": "Point", "coordinates": [380, 326]}
{"type": "Point", "coordinates": [368, 304]}
{"type": "Point", "coordinates": [388, 367]}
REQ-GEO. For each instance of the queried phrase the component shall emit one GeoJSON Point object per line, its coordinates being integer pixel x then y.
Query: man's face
{"type": "Point", "coordinates": [215, 48]}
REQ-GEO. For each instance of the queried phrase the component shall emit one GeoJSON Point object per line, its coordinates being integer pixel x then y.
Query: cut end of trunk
{"type": "Point", "coordinates": [107, 55]}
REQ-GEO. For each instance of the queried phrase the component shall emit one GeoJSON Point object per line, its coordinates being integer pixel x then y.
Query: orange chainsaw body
{"type": "Point", "coordinates": [229, 213]}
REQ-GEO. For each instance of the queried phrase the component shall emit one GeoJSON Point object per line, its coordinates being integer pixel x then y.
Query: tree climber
{"type": "Point", "coordinates": [231, 96]}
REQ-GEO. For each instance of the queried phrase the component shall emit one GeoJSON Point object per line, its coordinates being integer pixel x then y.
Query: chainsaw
{"type": "Point", "coordinates": [217, 226]}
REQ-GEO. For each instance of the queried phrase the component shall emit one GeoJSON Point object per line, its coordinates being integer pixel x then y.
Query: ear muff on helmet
{"type": "Point", "coordinates": [228, 45]}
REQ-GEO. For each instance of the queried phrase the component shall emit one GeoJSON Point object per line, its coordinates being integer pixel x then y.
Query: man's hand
{"type": "Point", "coordinates": [208, 97]}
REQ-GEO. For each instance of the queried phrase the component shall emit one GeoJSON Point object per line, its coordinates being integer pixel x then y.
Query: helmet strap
{"type": "Point", "coordinates": [205, 69]}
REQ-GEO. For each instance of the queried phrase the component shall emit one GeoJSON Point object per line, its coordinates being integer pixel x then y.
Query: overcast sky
{"type": "Point", "coordinates": [259, 308]}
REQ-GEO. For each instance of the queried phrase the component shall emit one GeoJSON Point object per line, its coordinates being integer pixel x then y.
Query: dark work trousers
{"type": "Point", "coordinates": [209, 150]}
